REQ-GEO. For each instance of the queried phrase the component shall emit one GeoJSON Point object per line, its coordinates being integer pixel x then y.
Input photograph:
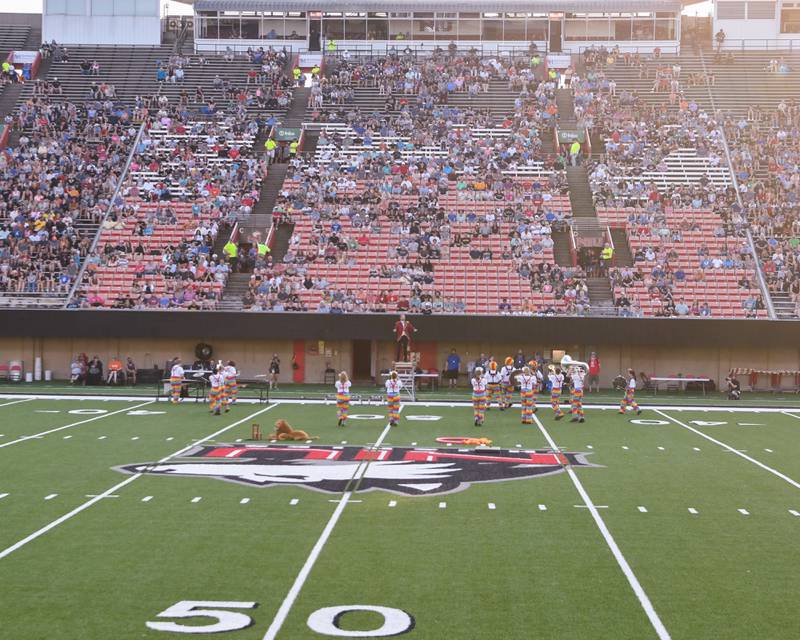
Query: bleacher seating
{"type": "Point", "coordinates": [110, 285]}
{"type": "Point", "coordinates": [132, 72]}
{"type": "Point", "coordinates": [476, 285]}
{"type": "Point", "coordinates": [697, 229]}
{"type": "Point", "coordinates": [12, 38]}
{"type": "Point", "coordinates": [208, 164]}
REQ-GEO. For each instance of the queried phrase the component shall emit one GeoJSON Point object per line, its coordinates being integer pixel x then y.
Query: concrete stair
{"type": "Point", "coordinates": [235, 288]}
{"type": "Point", "coordinates": [562, 248]}
{"type": "Point", "coordinates": [622, 250]}
{"type": "Point", "coordinates": [784, 307]}
{"type": "Point", "coordinates": [280, 243]}
{"type": "Point", "coordinates": [566, 108]}
{"type": "Point", "coordinates": [601, 296]}
{"type": "Point", "coordinates": [580, 193]}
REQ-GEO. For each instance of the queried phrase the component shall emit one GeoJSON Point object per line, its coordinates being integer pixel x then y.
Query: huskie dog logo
{"type": "Point", "coordinates": [329, 469]}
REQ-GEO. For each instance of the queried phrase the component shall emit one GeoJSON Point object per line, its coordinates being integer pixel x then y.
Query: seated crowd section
{"type": "Point", "coordinates": [664, 179]}
{"type": "Point", "coordinates": [765, 153]}
{"type": "Point", "coordinates": [193, 175]}
{"type": "Point", "coordinates": [430, 205]}
{"type": "Point", "coordinates": [434, 184]}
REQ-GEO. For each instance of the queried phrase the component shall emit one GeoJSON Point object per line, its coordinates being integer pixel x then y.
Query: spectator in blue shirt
{"type": "Point", "coordinates": [451, 368]}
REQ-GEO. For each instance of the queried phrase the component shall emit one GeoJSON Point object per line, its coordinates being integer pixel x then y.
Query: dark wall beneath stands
{"type": "Point", "coordinates": [208, 326]}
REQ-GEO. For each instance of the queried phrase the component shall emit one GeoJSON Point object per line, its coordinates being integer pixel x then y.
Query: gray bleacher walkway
{"type": "Point", "coordinates": [784, 307]}
{"type": "Point", "coordinates": [622, 250]}
{"type": "Point", "coordinates": [584, 215]}
{"type": "Point", "coordinates": [562, 248]}
{"type": "Point", "coordinates": [261, 217]}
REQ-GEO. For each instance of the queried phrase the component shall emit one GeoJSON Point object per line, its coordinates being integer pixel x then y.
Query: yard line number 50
{"type": "Point", "coordinates": [325, 621]}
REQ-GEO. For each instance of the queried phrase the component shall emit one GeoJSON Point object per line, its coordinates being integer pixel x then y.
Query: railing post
{"type": "Point", "coordinates": [122, 177]}
{"type": "Point", "coordinates": [762, 283]}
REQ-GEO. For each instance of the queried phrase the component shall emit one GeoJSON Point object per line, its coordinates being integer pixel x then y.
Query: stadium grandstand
{"type": "Point", "coordinates": [532, 268]}
{"type": "Point", "coordinates": [264, 156]}
{"type": "Point", "coordinates": [259, 156]}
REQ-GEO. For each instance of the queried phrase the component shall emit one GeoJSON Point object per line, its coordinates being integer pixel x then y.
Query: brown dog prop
{"type": "Point", "coordinates": [284, 431]}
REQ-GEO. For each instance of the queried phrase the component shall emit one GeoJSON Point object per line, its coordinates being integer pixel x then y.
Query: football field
{"type": "Point", "coordinates": [126, 518]}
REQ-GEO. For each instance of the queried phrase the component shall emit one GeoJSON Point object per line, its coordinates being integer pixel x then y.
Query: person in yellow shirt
{"type": "Point", "coordinates": [574, 153]}
{"type": "Point", "coordinates": [606, 256]}
{"type": "Point", "coordinates": [231, 251]}
{"type": "Point", "coordinates": [270, 145]}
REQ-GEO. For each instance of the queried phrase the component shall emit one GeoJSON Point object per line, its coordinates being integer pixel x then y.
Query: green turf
{"type": "Point", "coordinates": [463, 571]}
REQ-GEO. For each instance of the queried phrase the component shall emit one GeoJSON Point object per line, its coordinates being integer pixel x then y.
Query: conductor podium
{"type": "Point", "coordinates": [407, 374]}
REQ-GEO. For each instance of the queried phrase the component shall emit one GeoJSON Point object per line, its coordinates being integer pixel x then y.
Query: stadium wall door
{"type": "Point", "coordinates": [362, 360]}
{"type": "Point", "coordinates": [314, 31]}
{"type": "Point", "coordinates": [556, 20]}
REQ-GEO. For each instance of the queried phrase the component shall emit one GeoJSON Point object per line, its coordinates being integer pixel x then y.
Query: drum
{"type": "Point", "coordinates": [15, 370]}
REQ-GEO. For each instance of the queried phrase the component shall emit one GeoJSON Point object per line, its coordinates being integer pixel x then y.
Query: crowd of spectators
{"type": "Point", "coordinates": [56, 181]}
{"type": "Point", "coordinates": [639, 136]}
{"type": "Point", "coordinates": [203, 168]}
{"type": "Point", "coordinates": [765, 156]}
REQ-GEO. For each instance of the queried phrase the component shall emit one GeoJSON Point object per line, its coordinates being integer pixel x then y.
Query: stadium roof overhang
{"type": "Point", "coordinates": [594, 6]}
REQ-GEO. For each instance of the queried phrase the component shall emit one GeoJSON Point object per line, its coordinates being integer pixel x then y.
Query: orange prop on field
{"type": "Point", "coordinates": [465, 440]}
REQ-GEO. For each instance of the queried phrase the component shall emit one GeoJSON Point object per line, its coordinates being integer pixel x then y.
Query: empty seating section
{"type": "Point", "coordinates": [12, 38]}
{"type": "Point", "coordinates": [754, 82]}
{"type": "Point", "coordinates": [674, 259]}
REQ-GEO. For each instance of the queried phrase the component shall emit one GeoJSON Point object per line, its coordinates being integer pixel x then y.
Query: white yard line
{"type": "Point", "coordinates": [433, 403]}
{"type": "Point", "coordinates": [74, 424]}
{"type": "Point", "coordinates": [300, 580]}
{"type": "Point", "coordinates": [8, 404]}
{"type": "Point", "coordinates": [727, 447]}
{"type": "Point", "coordinates": [36, 534]}
{"type": "Point", "coordinates": [633, 581]}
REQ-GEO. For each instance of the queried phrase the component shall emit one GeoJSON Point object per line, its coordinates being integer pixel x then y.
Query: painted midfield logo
{"type": "Point", "coordinates": [402, 470]}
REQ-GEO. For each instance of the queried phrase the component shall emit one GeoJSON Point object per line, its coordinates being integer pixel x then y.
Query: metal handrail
{"type": "Point", "coordinates": [120, 182]}
{"type": "Point", "coordinates": [760, 44]}
{"type": "Point", "coordinates": [624, 48]}
{"type": "Point", "coordinates": [762, 283]}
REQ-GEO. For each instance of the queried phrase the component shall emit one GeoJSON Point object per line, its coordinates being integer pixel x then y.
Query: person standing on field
{"type": "Point", "coordinates": [593, 379]}
{"type": "Point", "coordinates": [451, 368]}
{"type": "Point", "coordinates": [274, 371]}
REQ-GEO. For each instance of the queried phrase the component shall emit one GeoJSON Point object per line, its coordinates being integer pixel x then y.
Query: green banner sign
{"type": "Point", "coordinates": [287, 134]}
{"type": "Point", "coordinates": [565, 137]}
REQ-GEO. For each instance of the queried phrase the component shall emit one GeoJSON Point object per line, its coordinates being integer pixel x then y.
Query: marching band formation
{"type": "Point", "coordinates": [496, 386]}
{"type": "Point", "coordinates": [493, 385]}
{"type": "Point", "coordinates": [223, 384]}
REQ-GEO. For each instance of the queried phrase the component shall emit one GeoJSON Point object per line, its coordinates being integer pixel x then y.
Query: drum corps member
{"type": "Point", "coordinates": [343, 385]}
{"type": "Point", "coordinates": [556, 382]}
{"type": "Point", "coordinates": [629, 401]}
{"type": "Point", "coordinates": [393, 386]}
{"type": "Point", "coordinates": [478, 396]}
